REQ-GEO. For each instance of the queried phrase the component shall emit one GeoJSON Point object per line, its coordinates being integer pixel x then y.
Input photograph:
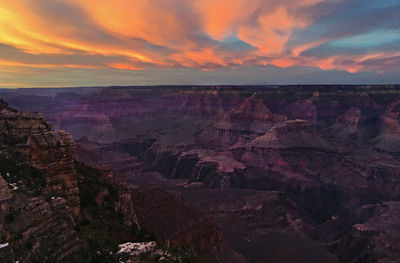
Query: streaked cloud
{"type": "Point", "coordinates": [214, 37]}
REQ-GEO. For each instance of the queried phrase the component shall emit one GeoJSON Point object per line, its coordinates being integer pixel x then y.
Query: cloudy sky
{"type": "Point", "coordinates": [142, 42]}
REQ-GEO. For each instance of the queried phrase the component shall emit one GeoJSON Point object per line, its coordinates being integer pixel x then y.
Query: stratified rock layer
{"type": "Point", "coordinates": [39, 197]}
{"type": "Point", "coordinates": [308, 167]}
{"type": "Point", "coordinates": [54, 209]}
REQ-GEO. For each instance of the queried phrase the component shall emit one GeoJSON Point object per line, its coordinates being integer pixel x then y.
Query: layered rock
{"type": "Point", "coordinates": [389, 139]}
{"type": "Point", "coordinates": [28, 140]}
{"type": "Point", "coordinates": [377, 238]}
{"type": "Point", "coordinates": [39, 197]}
{"type": "Point", "coordinates": [54, 209]}
{"type": "Point", "coordinates": [328, 151]}
{"type": "Point", "coordinates": [180, 225]}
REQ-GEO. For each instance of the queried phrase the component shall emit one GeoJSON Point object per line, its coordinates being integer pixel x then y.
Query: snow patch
{"type": "Point", "coordinates": [13, 186]}
{"type": "Point", "coordinates": [135, 249]}
{"type": "Point", "coordinates": [3, 245]}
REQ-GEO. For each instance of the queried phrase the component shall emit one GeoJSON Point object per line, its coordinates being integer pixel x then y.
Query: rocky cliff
{"type": "Point", "coordinates": [39, 198]}
{"type": "Point", "coordinates": [54, 209]}
{"type": "Point", "coordinates": [308, 167]}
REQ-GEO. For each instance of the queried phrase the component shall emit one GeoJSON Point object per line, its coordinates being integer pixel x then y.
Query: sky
{"type": "Point", "coordinates": [59, 43]}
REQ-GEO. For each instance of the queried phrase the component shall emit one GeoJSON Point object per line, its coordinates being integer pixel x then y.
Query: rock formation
{"type": "Point", "coordinates": [54, 209]}
{"type": "Point", "coordinates": [39, 198]}
{"type": "Point", "coordinates": [309, 167]}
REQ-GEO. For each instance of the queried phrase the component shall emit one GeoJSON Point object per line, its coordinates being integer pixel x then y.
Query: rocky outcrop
{"type": "Point", "coordinates": [375, 239]}
{"type": "Point", "coordinates": [39, 197]}
{"type": "Point", "coordinates": [28, 140]}
{"type": "Point", "coordinates": [180, 225]}
{"type": "Point", "coordinates": [302, 109]}
{"type": "Point", "coordinates": [389, 139]}
{"type": "Point", "coordinates": [54, 209]}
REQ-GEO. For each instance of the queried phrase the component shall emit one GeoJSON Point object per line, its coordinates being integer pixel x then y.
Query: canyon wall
{"type": "Point", "coordinates": [54, 209]}
{"type": "Point", "coordinates": [311, 167]}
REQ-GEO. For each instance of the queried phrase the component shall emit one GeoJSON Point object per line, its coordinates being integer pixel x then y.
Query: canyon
{"type": "Point", "coordinates": [241, 173]}
{"type": "Point", "coordinates": [56, 209]}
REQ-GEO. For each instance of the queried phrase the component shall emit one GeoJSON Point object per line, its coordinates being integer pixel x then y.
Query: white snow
{"type": "Point", "coordinates": [14, 186]}
{"type": "Point", "coordinates": [4, 245]}
{"type": "Point", "coordinates": [135, 249]}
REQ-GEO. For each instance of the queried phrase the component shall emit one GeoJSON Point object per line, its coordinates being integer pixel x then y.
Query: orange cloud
{"type": "Point", "coordinates": [142, 34]}
{"type": "Point", "coordinates": [220, 18]}
{"type": "Point", "coordinates": [18, 64]}
{"type": "Point", "coordinates": [168, 23]}
{"type": "Point", "coordinates": [125, 66]}
{"type": "Point", "coordinates": [153, 21]}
